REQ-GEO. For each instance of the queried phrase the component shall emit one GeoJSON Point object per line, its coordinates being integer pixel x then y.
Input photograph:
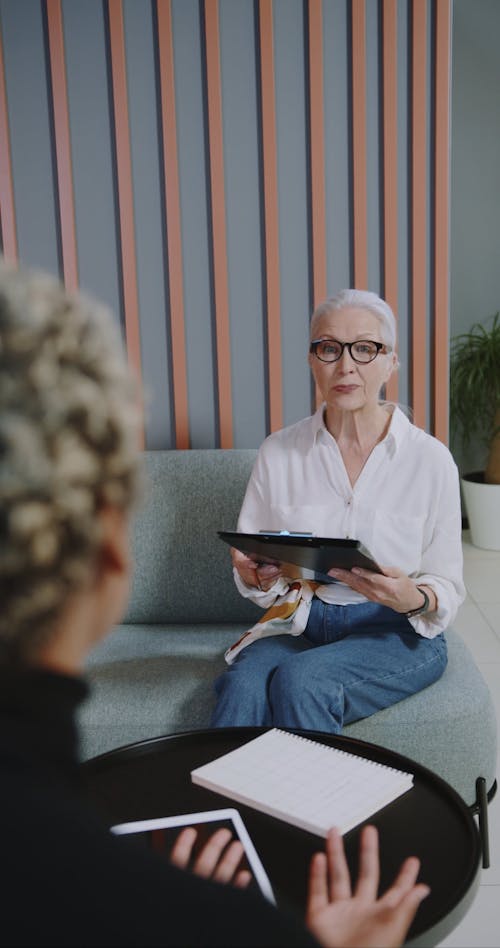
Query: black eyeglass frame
{"type": "Point", "coordinates": [380, 347]}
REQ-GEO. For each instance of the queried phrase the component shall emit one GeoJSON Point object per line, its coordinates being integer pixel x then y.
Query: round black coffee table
{"type": "Point", "coordinates": [152, 779]}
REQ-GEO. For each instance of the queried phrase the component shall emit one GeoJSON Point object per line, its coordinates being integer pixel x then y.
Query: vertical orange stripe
{"type": "Point", "coordinates": [419, 207]}
{"type": "Point", "coordinates": [219, 245]}
{"type": "Point", "coordinates": [359, 142]}
{"type": "Point", "coordinates": [7, 209]}
{"type": "Point", "coordinates": [125, 192]}
{"type": "Point", "coordinates": [173, 223]}
{"type": "Point", "coordinates": [441, 220]}
{"type": "Point", "coordinates": [390, 112]}
{"type": "Point", "coordinates": [270, 175]}
{"type": "Point", "coordinates": [62, 143]}
{"type": "Point", "coordinates": [317, 150]}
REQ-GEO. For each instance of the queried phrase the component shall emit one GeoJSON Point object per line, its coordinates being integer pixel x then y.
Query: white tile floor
{"type": "Point", "coordinates": [478, 622]}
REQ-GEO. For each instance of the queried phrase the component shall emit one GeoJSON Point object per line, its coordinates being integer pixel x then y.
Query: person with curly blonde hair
{"type": "Point", "coordinates": [69, 479]}
{"type": "Point", "coordinates": [68, 447]}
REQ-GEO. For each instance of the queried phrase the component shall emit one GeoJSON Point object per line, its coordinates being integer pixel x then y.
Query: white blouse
{"type": "Point", "coordinates": [404, 507]}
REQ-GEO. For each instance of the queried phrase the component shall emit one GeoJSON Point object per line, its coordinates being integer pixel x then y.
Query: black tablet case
{"type": "Point", "coordinates": [315, 554]}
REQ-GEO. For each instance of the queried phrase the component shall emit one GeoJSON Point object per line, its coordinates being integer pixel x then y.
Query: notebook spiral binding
{"type": "Point", "coordinates": [342, 753]}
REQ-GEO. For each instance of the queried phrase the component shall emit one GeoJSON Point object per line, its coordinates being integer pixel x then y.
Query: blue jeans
{"type": "Point", "coordinates": [350, 662]}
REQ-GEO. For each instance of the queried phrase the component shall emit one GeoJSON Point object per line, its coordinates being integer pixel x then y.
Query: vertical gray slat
{"type": "Point", "coordinates": [292, 146]}
{"type": "Point", "coordinates": [404, 184]}
{"type": "Point", "coordinates": [337, 159]}
{"type": "Point", "coordinates": [374, 146]}
{"type": "Point", "coordinates": [92, 151]}
{"type": "Point", "coordinates": [31, 138]}
{"type": "Point", "coordinates": [431, 21]}
{"type": "Point", "coordinates": [194, 183]}
{"type": "Point", "coordinates": [145, 137]}
{"type": "Point", "coordinates": [244, 220]}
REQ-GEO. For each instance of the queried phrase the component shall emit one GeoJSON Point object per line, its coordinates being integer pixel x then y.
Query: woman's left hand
{"type": "Point", "coordinates": [391, 588]}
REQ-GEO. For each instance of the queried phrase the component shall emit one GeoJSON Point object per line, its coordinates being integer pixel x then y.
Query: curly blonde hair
{"type": "Point", "coordinates": [68, 446]}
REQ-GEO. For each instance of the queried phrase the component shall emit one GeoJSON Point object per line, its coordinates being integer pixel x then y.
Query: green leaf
{"type": "Point", "coordinates": [475, 380]}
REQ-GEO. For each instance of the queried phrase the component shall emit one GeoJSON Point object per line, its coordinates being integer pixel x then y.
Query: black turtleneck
{"type": "Point", "coordinates": [64, 878]}
{"type": "Point", "coordinates": [37, 718]}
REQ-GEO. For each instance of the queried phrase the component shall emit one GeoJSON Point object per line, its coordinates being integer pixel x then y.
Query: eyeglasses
{"type": "Point", "coordinates": [363, 350]}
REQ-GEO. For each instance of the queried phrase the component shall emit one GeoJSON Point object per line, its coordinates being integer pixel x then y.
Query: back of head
{"type": "Point", "coordinates": [68, 447]}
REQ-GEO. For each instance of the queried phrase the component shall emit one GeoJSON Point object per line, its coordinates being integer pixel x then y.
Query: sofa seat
{"type": "Point", "coordinates": [151, 680]}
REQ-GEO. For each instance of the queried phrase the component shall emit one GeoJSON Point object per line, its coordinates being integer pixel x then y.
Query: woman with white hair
{"type": "Point", "coordinates": [356, 469]}
{"type": "Point", "coordinates": [68, 482]}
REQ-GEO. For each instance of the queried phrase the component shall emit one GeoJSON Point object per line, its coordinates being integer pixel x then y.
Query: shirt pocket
{"type": "Point", "coordinates": [397, 540]}
{"type": "Point", "coordinates": [303, 518]}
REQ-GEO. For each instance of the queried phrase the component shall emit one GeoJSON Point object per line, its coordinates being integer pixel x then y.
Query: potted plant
{"type": "Point", "coordinates": [475, 412]}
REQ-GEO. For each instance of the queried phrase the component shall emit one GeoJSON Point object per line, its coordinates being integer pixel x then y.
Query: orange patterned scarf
{"type": "Point", "coordinates": [287, 615]}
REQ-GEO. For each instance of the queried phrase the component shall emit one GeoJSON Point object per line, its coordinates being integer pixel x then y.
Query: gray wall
{"type": "Point", "coordinates": [475, 175]}
{"type": "Point", "coordinates": [87, 53]}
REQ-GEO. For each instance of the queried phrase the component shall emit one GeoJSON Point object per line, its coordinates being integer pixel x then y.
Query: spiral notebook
{"type": "Point", "coordinates": [303, 782]}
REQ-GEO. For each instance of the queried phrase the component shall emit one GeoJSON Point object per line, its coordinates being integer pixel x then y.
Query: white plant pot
{"type": "Point", "coordinates": [482, 503]}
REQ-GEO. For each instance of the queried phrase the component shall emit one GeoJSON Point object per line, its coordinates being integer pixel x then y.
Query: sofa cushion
{"type": "Point", "coordinates": [182, 570]}
{"type": "Point", "coordinates": [150, 680]}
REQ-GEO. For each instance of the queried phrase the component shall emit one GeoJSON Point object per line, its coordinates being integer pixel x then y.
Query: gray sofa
{"type": "Point", "coordinates": [155, 672]}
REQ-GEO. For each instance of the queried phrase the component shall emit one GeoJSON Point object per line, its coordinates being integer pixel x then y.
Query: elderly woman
{"type": "Point", "coordinates": [68, 481]}
{"type": "Point", "coordinates": [358, 469]}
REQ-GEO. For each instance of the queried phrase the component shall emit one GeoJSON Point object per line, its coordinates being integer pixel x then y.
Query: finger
{"type": "Point", "coordinates": [242, 879]}
{"type": "Point", "coordinates": [317, 890]}
{"type": "Point", "coordinates": [349, 578]}
{"type": "Point", "coordinates": [267, 582]}
{"type": "Point", "coordinates": [250, 578]}
{"type": "Point", "coordinates": [369, 864]}
{"type": "Point", "coordinates": [392, 572]}
{"type": "Point", "coordinates": [211, 853]}
{"type": "Point", "coordinates": [242, 561]}
{"type": "Point", "coordinates": [246, 567]}
{"type": "Point", "coordinates": [269, 569]}
{"type": "Point", "coordinates": [367, 574]}
{"type": "Point", "coordinates": [403, 883]}
{"type": "Point", "coordinates": [372, 585]}
{"type": "Point", "coordinates": [183, 847]}
{"type": "Point", "coordinates": [338, 870]}
{"type": "Point", "coordinates": [402, 916]}
{"type": "Point", "coordinates": [239, 555]}
{"type": "Point", "coordinates": [268, 574]}
{"type": "Point", "coordinates": [344, 575]}
{"type": "Point", "coordinates": [413, 898]}
{"type": "Point", "coordinates": [229, 862]}
{"type": "Point", "coordinates": [377, 583]}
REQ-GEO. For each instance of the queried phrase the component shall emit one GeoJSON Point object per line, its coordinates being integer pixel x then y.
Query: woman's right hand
{"type": "Point", "coordinates": [262, 576]}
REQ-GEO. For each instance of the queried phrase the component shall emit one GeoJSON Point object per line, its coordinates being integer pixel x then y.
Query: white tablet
{"type": "Point", "coordinates": [161, 833]}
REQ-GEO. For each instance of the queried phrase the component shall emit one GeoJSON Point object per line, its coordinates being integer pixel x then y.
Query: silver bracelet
{"type": "Point", "coordinates": [423, 608]}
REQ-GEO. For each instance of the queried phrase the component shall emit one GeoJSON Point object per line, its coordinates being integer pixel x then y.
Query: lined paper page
{"type": "Point", "coordinates": [303, 782]}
